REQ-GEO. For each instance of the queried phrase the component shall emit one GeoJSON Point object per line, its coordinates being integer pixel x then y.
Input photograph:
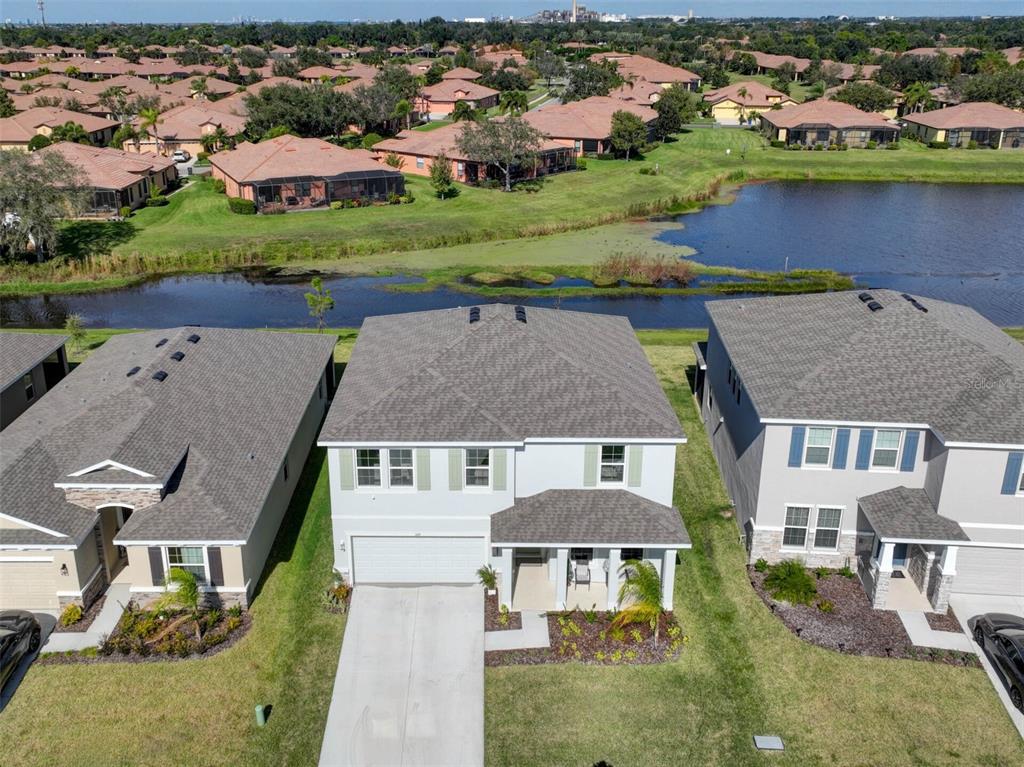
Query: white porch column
{"type": "Point", "coordinates": [885, 561]}
{"type": "Point", "coordinates": [947, 564]}
{"type": "Point", "coordinates": [552, 565]}
{"type": "Point", "coordinates": [561, 578]}
{"type": "Point", "coordinates": [507, 574]}
{"type": "Point", "coordinates": [614, 560]}
{"type": "Point", "coordinates": [668, 578]}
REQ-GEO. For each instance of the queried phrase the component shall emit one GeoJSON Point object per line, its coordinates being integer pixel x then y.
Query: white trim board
{"type": "Point", "coordinates": [33, 526]}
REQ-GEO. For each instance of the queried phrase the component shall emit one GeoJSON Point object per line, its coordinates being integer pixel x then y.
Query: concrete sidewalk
{"type": "Point", "coordinates": [923, 635]}
{"type": "Point", "coordinates": [117, 597]}
{"type": "Point", "coordinates": [534, 633]}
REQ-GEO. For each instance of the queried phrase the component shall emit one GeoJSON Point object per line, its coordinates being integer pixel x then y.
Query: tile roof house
{"type": "Point", "coordinates": [182, 127]}
{"type": "Point", "coordinates": [461, 73]}
{"type": "Point", "coordinates": [982, 122]}
{"type": "Point", "coordinates": [535, 440]}
{"type": "Point", "coordinates": [826, 122]}
{"type": "Point", "coordinates": [118, 179]}
{"type": "Point", "coordinates": [303, 172]}
{"type": "Point", "coordinates": [17, 131]}
{"type": "Point", "coordinates": [439, 100]}
{"type": "Point", "coordinates": [741, 102]}
{"type": "Point", "coordinates": [639, 92]}
{"type": "Point", "coordinates": [632, 66]}
{"type": "Point", "coordinates": [585, 125]}
{"type": "Point", "coordinates": [165, 448]}
{"type": "Point", "coordinates": [874, 429]}
{"type": "Point", "coordinates": [30, 365]}
{"type": "Point", "coordinates": [60, 97]}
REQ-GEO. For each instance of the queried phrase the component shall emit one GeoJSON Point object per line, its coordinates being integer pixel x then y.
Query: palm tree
{"type": "Point", "coordinates": [513, 102]}
{"type": "Point", "coordinates": [641, 595]}
{"type": "Point", "coordinates": [185, 595]}
{"type": "Point", "coordinates": [208, 142]}
{"type": "Point", "coordinates": [742, 94]}
{"type": "Point", "coordinates": [919, 98]}
{"type": "Point", "coordinates": [148, 120]}
{"type": "Point", "coordinates": [463, 111]}
{"type": "Point", "coordinates": [199, 88]}
{"type": "Point", "coordinates": [221, 137]}
{"type": "Point", "coordinates": [403, 111]}
{"type": "Point", "coordinates": [70, 131]}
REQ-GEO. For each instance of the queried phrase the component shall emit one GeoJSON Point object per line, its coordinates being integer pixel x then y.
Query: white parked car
{"type": "Point", "coordinates": [181, 156]}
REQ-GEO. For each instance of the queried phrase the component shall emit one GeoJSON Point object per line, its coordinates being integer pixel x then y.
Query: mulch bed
{"type": "Point", "coordinates": [944, 622]}
{"type": "Point", "coordinates": [574, 639]}
{"type": "Point", "coordinates": [853, 627]}
{"type": "Point", "coordinates": [492, 616]}
{"type": "Point", "coordinates": [86, 620]}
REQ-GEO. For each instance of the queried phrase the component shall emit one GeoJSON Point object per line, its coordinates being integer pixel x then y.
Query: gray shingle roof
{"type": "Point", "coordinates": [589, 517]}
{"type": "Point", "coordinates": [828, 357]}
{"type": "Point", "coordinates": [908, 514]}
{"type": "Point", "coordinates": [230, 407]}
{"type": "Point", "coordinates": [20, 352]}
{"type": "Point", "coordinates": [434, 376]}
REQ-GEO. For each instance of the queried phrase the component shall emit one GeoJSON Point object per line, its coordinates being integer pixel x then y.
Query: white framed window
{"type": "Point", "coordinates": [400, 468]}
{"type": "Point", "coordinates": [368, 468]}
{"type": "Point", "coordinates": [818, 451]}
{"type": "Point", "coordinates": [420, 162]}
{"type": "Point", "coordinates": [30, 389]}
{"type": "Point", "coordinates": [189, 558]}
{"type": "Point", "coordinates": [794, 535]}
{"type": "Point", "coordinates": [613, 464]}
{"type": "Point", "coordinates": [885, 452]}
{"type": "Point", "coordinates": [478, 467]}
{"type": "Point", "coordinates": [826, 527]}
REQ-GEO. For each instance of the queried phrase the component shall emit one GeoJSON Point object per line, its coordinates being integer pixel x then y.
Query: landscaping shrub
{"type": "Point", "coordinates": [892, 145]}
{"type": "Point", "coordinates": [488, 577]}
{"type": "Point", "coordinates": [843, 147]}
{"type": "Point", "coordinates": [761, 565]}
{"type": "Point", "coordinates": [938, 145]}
{"type": "Point", "coordinates": [820, 572]}
{"type": "Point", "coordinates": [71, 614]}
{"type": "Point", "coordinates": [778, 144]}
{"type": "Point", "coordinates": [242, 206]}
{"type": "Point", "coordinates": [871, 145]}
{"type": "Point", "coordinates": [125, 211]}
{"type": "Point", "coordinates": [793, 147]}
{"type": "Point", "coordinates": [202, 156]}
{"type": "Point", "coordinates": [336, 205]}
{"type": "Point", "coordinates": [846, 572]}
{"type": "Point", "coordinates": [370, 139]}
{"type": "Point", "coordinates": [826, 606]}
{"type": "Point", "coordinates": [833, 148]}
{"type": "Point", "coordinates": [408, 198]}
{"type": "Point", "coordinates": [789, 581]}
{"type": "Point", "coordinates": [218, 185]}
{"type": "Point", "coordinates": [972, 144]}
{"type": "Point", "coordinates": [819, 147]}
{"type": "Point", "coordinates": [581, 163]}
{"type": "Point", "coordinates": [394, 199]}
{"type": "Point", "coordinates": [156, 201]}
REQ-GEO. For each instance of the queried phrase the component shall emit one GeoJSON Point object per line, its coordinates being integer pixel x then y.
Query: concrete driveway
{"type": "Point", "coordinates": [410, 683]}
{"type": "Point", "coordinates": [967, 606]}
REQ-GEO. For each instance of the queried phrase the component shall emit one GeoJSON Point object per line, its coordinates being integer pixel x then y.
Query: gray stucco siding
{"type": "Point", "coordinates": [971, 490]}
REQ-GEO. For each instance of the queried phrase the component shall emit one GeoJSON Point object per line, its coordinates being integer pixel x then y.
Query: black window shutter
{"type": "Point", "coordinates": [216, 566]}
{"type": "Point", "coordinates": [156, 565]}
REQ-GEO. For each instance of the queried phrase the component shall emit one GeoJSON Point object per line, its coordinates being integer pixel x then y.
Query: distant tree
{"type": "Point", "coordinates": [398, 81]}
{"type": "Point", "coordinates": [744, 63]}
{"type": "Point", "coordinates": [918, 97]}
{"type": "Point", "coordinates": [782, 85]}
{"type": "Point", "coordinates": [463, 58]}
{"type": "Point", "coordinates": [868, 97]}
{"type": "Point", "coordinates": [234, 74]}
{"type": "Point", "coordinates": [676, 107]}
{"type": "Point", "coordinates": [149, 119]}
{"type": "Point", "coordinates": [74, 330]}
{"type": "Point", "coordinates": [275, 132]}
{"type": "Point", "coordinates": [628, 134]}
{"type": "Point", "coordinates": [403, 111]}
{"type": "Point", "coordinates": [317, 110]}
{"type": "Point", "coordinates": [549, 66]}
{"type": "Point", "coordinates": [1004, 87]}
{"type": "Point", "coordinates": [129, 53]}
{"type": "Point", "coordinates": [6, 104]}
{"type": "Point", "coordinates": [285, 68]}
{"type": "Point", "coordinates": [312, 57]}
{"type": "Point", "coordinates": [589, 80]}
{"type": "Point", "coordinates": [38, 141]}
{"type": "Point", "coordinates": [507, 144]}
{"type": "Point", "coordinates": [786, 71]}
{"type": "Point", "coordinates": [513, 102]}
{"type": "Point", "coordinates": [72, 71]}
{"type": "Point", "coordinates": [462, 111]}
{"type": "Point", "coordinates": [441, 178]}
{"type": "Point", "coordinates": [435, 74]}
{"type": "Point", "coordinates": [250, 57]}
{"type": "Point", "coordinates": [319, 301]}
{"type": "Point", "coordinates": [123, 135]}
{"type": "Point", "coordinates": [199, 87]}
{"type": "Point", "coordinates": [70, 131]}
{"type": "Point", "coordinates": [713, 75]}
{"type": "Point", "coordinates": [506, 80]}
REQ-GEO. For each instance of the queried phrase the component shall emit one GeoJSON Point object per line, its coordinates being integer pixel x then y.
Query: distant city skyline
{"type": "Point", "coordinates": [186, 11]}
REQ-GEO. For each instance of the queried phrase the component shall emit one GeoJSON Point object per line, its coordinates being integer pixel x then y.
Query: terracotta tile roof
{"type": "Point", "coordinates": [774, 60]}
{"type": "Point", "coordinates": [106, 168]}
{"type": "Point", "coordinates": [31, 119]}
{"type": "Point", "coordinates": [433, 142]}
{"type": "Point", "coordinates": [823, 112]}
{"type": "Point", "coordinates": [184, 88]}
{"type": "Point", "coordinates": [930, 52]}
{"type": "Point", "coordinates": [461, 73]}
{"type": "Point", "coordinates": [500, 57]}
{"type": "Point", "coordinates": [23, 101]}
{"type": "Point", "coordinates": [1013, 55]}
{"type": "Point", "coordinates": [643, 67]}
{"type": "Point", "coordinates": [270, 82]}
{"type": "Point", "coordinates": [456, 90]}
{"type": "Point", "coordinates": [757, 94]}
{"type": "Point", "coordinates": [315, 73]}
{"type": "Point", "coordinates": [195, 119]}
{"type": "Point", "coordinates": [973, 114]}
{"type": "Point", "coordinates": [358, 69]}
{"type": "Point", "coordinates": [287, 156]}
{"type": "Point", "coordinates": [587, 119]}
{"type": "Point", "coordinates": [638, 92]}
{"type": "Point", "coordinates": [130, 83]}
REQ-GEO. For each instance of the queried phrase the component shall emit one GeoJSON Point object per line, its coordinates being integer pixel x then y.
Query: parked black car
{"type": "Point", "coordinates": [1002, 636]}
{"type": "Point", "coordinates": [20, 635]}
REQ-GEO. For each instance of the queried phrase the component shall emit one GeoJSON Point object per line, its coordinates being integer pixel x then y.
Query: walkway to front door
{"type": "Point", "coordinates": [410, 681]}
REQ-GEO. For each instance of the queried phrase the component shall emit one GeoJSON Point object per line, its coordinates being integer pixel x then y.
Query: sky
{"type": "Point", "coordinates": [183, 11]}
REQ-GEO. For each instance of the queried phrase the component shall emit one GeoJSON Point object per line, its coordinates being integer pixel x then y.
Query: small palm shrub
{"type": "Point", "coordinates": [789, 581]}
{"type": "Point", "coordinates": [761, 565]}
{"type": "Point", "coordinates": [71, 614]}
{"type": "Point", "coordinates": [826, 605]}
{"type": "Point", "coordinates": [488, 577]}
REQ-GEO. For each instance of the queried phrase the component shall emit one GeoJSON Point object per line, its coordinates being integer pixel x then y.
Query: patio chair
{"type": "Point", "coordinates": [582, 574]}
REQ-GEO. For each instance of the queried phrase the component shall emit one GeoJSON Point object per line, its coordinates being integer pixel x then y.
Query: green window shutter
{"type": "Point", "coordinates": [346, 474]}
{"type": "Point", "coordinates": [590, 465]}
{"type": "Point", "coordinates": [635, 465]}
{"type": "Point", "coordinates": [500, 468]}
{"type": "Point", "coordinates": [454, 469]}
{"type": "Point", "coordinates": [422, 468]}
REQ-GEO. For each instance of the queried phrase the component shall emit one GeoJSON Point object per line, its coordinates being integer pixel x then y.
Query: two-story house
{"type": "Point", "coordinates": [534, 440]}
{"type": "Point", "coordinates": [872, 429]}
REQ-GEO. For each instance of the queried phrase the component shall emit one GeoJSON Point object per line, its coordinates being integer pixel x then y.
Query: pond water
{"type": "Point", "coordinates": [959, 243]}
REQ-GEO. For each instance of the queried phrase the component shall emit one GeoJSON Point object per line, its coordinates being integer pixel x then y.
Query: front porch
{"type": "Point", "coordinates": [533, 589]}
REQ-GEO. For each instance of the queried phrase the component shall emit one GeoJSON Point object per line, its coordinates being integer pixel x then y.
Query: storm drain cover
{"type": "Point", "coordinates": [769, 743]}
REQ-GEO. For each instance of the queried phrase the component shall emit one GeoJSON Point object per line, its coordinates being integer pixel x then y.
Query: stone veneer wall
{"type": "Point", "coordinates": [767, 544]}
{"type": "Point", "coordinates": [93, 498]}
{"type": "Point", "coordinates": [215, 599]}
{"type": "Point", "coordinates": [919, 565]}
{"type": "Point", "coordinates": [939, 587]}
{"type": "Point", "coordinates": [875, 582]}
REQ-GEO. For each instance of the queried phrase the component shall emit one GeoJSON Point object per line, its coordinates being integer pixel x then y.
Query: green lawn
{"type": "Point", "coordinates": [741, 673]}
{"type": "Point", "coordinates": [196, 231]}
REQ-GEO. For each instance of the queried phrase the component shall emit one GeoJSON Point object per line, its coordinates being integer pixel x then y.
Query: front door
{"type": "Point", "coordinates": [899, 555]}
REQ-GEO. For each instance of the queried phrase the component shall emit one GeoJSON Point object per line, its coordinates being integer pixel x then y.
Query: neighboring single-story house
{"type": "Point", "coordinates": [438, 100]}
{"type": "Point", "coordinates": [639, 92]}
{"type": "Point", "coordinates": [632, 66]}
{"type": "Point", "coordinates": [954, 52]}
{"type": "Point", "coordinates": [826, 122]}
{"type": "Point", "coordinates": [165, 448]}
{"type": "Point", "coordinates": [303, 172]}
{"type": "Point", "coordinates": [30, 365]}
{"type": "Point", "coordinates": [533, 440]}
{"type": "Point", "coordinates": [17, 131]}
{"type": "Point", "coordinates": [585, 125]}
{"type": "Point", "coordinates": [988, 124]}
{"type": "Point", "coordinates": [118, 179]}
{"type": "Point", "coordinates": [63, 97]}
{"type": "Point", "coordinates": [461, 73]}
{"type": "Point", "coordinates": [420, 148]}
{"type": "Point", "coordinates": [186, 89]}
{"type": "Point", "coordinates": [898, 100]}
{"type": "Point", "coordinates": [742, 102]}
{"type": "Point", "coordinates": [318, 74]}
{"type": "Point", "coordinates": [183, 127]}
{"type": "Point", "coordinates": [772, 62]}
{"type": "Point", "coordinates": [498, 57]}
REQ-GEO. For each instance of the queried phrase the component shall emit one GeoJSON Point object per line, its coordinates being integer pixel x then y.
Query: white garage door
{"type": "Point", "coordinates": [989, 571]}
{"type": "Point", "coordinates": [27, 586]}
{"type": "Point", "coordinates": [419, 559]}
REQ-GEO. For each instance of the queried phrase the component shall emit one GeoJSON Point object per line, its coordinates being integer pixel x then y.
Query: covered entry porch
{"type": "Point", "coordinates": [563, 549]}
{"type": "Point", "coordinates": [912, 560]}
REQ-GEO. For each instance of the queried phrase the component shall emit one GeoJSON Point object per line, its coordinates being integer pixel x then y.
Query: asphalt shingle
{"type": "Point", "coordinates": [907, 513]}
{"type": "Point", "coordinates": [20, 352]}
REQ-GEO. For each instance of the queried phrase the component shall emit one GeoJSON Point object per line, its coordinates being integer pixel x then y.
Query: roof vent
{"type": "Point", "coordinates": [161, 342]}
{"type": "Point", "coordinates": [865, 297]}
{"type": "Point", "coordinates": [474, 314]}
{"type": "Point", "coordinates": [133, 371]}
{"type": "Point", "coordinates": [159, 375]}
{"type": "Point", "coordinates": [874, 306]}
{"type": "Point", "coordinates": [907, 296]}
{"type": "Point", "coordinates": [918, 305]}
{"type": "Point", "coordinates": [178, 356]}
{"type": "Point", "coordinates": [521, 313]}
{"type": "Point", "coordinates": [193, 339]}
